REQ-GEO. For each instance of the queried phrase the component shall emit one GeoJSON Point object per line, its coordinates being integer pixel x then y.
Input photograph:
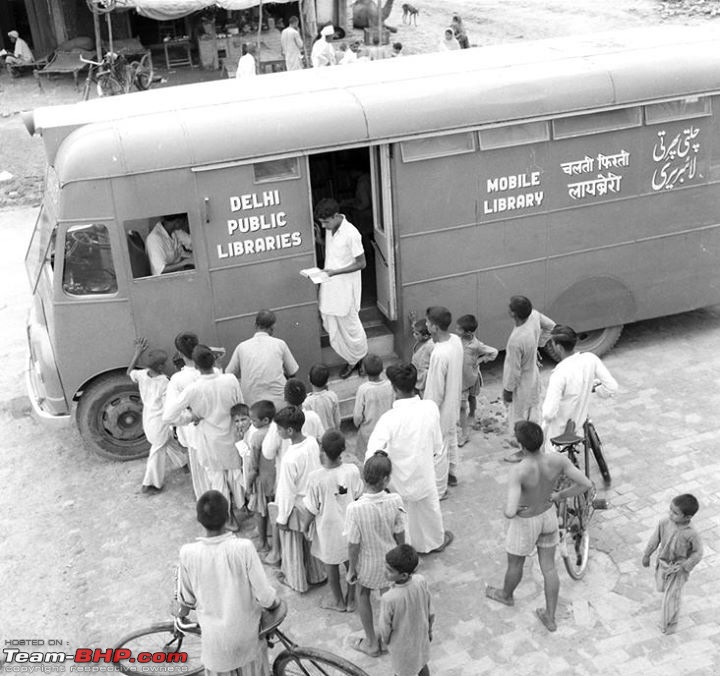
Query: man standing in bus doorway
{"type": "Point", "coordinates": [340, 295]}
{"type": "Point", "coordinates": [263, 363]}
{"type": "Point", "coordinates": [521, 375]}
{"type": "Point", "coordinates": [573, 380]}
{"type": "Point", "coordinates": [168, 246]}
{"type": "Point", "coordinates": [291, 45]}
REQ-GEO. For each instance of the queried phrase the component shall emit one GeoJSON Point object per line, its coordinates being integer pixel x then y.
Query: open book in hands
{"type": "Point", "coordinates": [315, 275]}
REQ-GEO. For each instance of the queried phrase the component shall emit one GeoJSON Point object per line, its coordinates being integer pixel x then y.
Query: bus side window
{"type": "Point", "coordinates": [89, 268]}
{"type": "Point", "coordinates": [159, 245]}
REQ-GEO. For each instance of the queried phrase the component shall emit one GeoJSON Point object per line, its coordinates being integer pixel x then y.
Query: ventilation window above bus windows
{"type": "Point", "coordinates": [438, 146]}
{"type": "Point", "coordinates": [276, 170]}
{"type": "Point", "coordinates": [89, 268]}
{"type": "Point", "coordinates": [159, 245]}
{"type": "Point", "coordinates": [677, 110]}
{"type": "Point", "coordinates": [596, 123]}
{"type": "Point", "coordinates": [514, 135]}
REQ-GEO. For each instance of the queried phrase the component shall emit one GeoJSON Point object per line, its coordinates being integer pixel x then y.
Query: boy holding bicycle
{"type": "Point", "coordinates": [533, 518]}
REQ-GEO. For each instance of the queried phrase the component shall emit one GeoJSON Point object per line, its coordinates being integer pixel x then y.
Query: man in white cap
{"type": "Point", "coordinates": [21, 54]}
{"type": "Point", "coordinates": [323, 53]}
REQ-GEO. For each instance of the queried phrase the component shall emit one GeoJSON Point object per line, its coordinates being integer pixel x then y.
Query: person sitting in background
{"type": "Point", "coordinates": [449, 43]}
{"type": "Point", "coordinates": [167, 245]}
{"type": "Point", "coordinates": [246, 64]}
{"type": "Point", "coordinates": [459, 31]}
{"type": "Point", "coordinates": [396, 49]}
{"type": "Point", "coordinates": [21, 53]}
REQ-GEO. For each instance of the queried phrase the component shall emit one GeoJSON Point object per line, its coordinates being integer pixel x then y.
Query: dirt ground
{"type": "Point", "coordinates": [487, 22]}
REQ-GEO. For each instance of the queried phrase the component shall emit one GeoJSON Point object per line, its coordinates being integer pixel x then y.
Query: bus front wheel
{"type": "Point", "coordinates": [109, 416]}
{"type": "Point", "coordinates": [598, 341]}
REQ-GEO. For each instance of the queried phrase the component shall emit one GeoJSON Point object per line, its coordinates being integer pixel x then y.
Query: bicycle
{"type": "Point", "coordinates": [574, 513]}
{"type": "Point", "coordinates": [114, 75]}
{"type": "Point", "coordinates": [181, 637]}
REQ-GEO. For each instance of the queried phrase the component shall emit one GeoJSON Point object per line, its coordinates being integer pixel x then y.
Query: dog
{"type": "Point", "coordinates": [410, 14]}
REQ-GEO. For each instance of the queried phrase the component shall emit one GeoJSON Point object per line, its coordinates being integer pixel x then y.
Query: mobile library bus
{"type": "Point", "coordinates": [581, 172]}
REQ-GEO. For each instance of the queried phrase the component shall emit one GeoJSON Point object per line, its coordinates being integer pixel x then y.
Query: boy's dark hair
{"type": "Point", "coordinates": [319, 375]}
{"type": "Point", "coordinates": [687, 504]}
{"type": "Point", "coordinates": [156, 359]}
{"type": "Point", "coordinates": [294, 392]}
{"type": "Point", "coordinates": [421, 327]}
{"type": "Point", "coordinates": [263, 409]}
{"type": "Point", "coordinates": [440, 316]}
{"type": "Point", "coordinates": [564, 336]}
{"type": "Point", "coordinates": [203, 357]}
{"type": "Point", "coordinates": [212, 510]}
{"type": "Point", "coordinates": [403, 559]}
{"type": "Point", "coordinates": [265, 319]}
{"type": "Point", "coordinates": [521, 306]}
{"type": "Point", "coordinates": [468, 323]}
{"type": "Point", "coordinates": [397, 46]}
{"type": "Point", "coordinates": [529, 435]}
{"type": "Point", "coordinates": [326, 208]}
{"type": "Point", "coordinates": [373, 364]}
{"type": "Point", "coordinates": [403, 377]}
{"type": "Point", "coordinates": [333, 444]}
{"type": "Point", "coordinates": [377, 468]}
{"type": "Point", "coordinates": [185, 343]}
{"type": "Point", "coordinates": [239, 409]}
{"type": "Point", "coordinates": [290, 417]}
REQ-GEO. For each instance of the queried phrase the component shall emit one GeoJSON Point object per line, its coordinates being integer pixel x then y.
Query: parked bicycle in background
{"type": "Point", "coordinates": [114, 75]}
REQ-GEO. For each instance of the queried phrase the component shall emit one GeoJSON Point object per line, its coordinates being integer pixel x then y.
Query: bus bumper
{"type": "Point", "coordinates": [48, 410]}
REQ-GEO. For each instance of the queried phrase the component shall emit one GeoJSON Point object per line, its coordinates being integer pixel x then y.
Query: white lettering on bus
{"type": "Point", "coordinates": [676, 161]}
{"type": "Point", "coordinates": [236, 248]}
{"type": "Point", "coordinates": [254, 200]}
{"type": "Point", "coordinates": [254, 223]}
{"type": "Point", "coordinates": [512, 202]}
{"type": "Point", "coordinates": [502, 183]}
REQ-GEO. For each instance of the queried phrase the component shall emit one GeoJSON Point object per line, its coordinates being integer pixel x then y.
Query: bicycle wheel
{"type": "Point", "coordinates": [108, 85]}
{"type": "Point", "coordinates": [575, 544]}
{"type": "Point", "coordinates": [158, 639]}
{"type": "Point", "coordinates": [310, 662]}
{"type": "Point", "coordinates": [143, 72]}
{"type": "Point", "coordinates": [596, 446]}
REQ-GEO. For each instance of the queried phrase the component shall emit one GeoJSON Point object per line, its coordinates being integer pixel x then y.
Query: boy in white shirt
{"type": "Point", "coordinates": [322, 400]}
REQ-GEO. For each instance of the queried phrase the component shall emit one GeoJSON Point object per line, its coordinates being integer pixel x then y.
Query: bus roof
{"type": "Point", "coordinates": [316, 109]}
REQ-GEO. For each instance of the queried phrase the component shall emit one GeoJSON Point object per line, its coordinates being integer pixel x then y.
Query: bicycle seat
{"type": "Point", "coordinates": [272, 619]}
{"type": "Point", "coordinates": [568, 437]}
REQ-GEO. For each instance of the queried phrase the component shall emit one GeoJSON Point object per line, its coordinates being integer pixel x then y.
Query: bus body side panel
{"type": "Point", "coordinates": [259, 235]}
{"type": "Point", "coordinates": [455, 250]}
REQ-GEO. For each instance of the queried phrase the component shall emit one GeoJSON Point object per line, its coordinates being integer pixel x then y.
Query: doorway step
{"type": "Point", "coordinates": [380, 342]}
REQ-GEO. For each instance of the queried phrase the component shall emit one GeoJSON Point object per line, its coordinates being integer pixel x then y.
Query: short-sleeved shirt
{"type": "Point", "coordinates": [162, 249]}
{"type": "Point", "coordinates": [373, 398]}
{"type": "Point", "coordinates": [473, 351]}
{"type": "Point", "coordinates": [152, 392]}
{"type": "Point", "coordinates": [341, 293]}
{"type": "Point", "coordinates": [327, 405]}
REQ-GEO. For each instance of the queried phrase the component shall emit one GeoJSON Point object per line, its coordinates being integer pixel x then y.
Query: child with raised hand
{"type": "Point", "coordinates": [422, 349]}
{"type": "Point", "coordinates": [373, 525]}
{"type": "Point", "coordinates": [474, 354]}
{"type": "Point", "coordinates": [260, 472]}
{"type": "Point", "coordinates": [406, 614]}
{"type": "Point", "coordinates": [299, 567]}
{"type": "Point", "coordinates": [153, 383]}
{"type": "Point", "coordinates": [330, 490]}
{"type": "Point", "coordinates": [680, 550]}
{"type": "Point", "coordinates": [322, 400]}
{"type": "Point", "coordinates": [373, 398]}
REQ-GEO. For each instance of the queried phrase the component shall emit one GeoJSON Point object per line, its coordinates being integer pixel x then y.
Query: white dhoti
{"type": "Point", "coordinates": [157, 462]}
{"type": "Point", "coordinates": [299, 566]}
{"type": "Point", "coordinates": [347, 336]}
{"type": "Point", "coordinates": [450, 445]}
{"type": "Point", "coordinates": [425, 529]}
{"type": "Point", "coordinates": [441, 471]}
{"type": "Point", "coordinates": [522, 410]}
{"type": "Point", "coordinates": [230, 483]}
{"type": "Point", "coordinates": [197, 473]}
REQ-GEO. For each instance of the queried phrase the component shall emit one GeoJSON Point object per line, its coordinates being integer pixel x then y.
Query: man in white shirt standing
{"type": "Point", "coordinates": [573, 380]}
{"type": "Point", "coordinates": [323, 52]}
{"type": "Point", "coordinates": [263, 363]}
{"type": "Point", "coordinates": [443, 385]}
{"type": "Point", "coordinates": [410, 434]}
{"type": "Point", "coordinates": [247, 67]}
{"type": "Point", "coordinates": [167, 246]}
{"type": "Point", "coordinates": [340, 295]}
{"type": "Point", "coordinates": [291, 45]}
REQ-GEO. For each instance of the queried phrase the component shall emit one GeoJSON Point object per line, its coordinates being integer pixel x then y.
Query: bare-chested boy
{"type": "Point", "coordinates": [533, 519]}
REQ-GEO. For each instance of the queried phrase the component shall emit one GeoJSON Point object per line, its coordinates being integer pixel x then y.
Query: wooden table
{"type": "Point", "coordinates": [177, 61]}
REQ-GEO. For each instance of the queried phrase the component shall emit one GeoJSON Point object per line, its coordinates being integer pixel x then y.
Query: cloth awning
{"type": "Point", "coordinates": [165, 10]}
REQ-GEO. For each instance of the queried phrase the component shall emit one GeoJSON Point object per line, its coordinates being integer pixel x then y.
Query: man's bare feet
{"type": "Point", "coordinates": [543, 617]}
{"type": "Point", "coordinates": [351, 606]}
{"type": "Point", "coordinates": [361, 645]}
{"type": "Point", "coordinates": [329, 603]}
{"type": "Point", "coordinates": [272, 559]}
{"type": "Point", "coordinates": [497, 595]}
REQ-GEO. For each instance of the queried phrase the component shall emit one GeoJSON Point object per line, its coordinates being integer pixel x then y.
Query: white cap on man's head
{"type": "Point", "coordinates": [327, 31]}
{"type": "Point", "coordinates": [14, 34]}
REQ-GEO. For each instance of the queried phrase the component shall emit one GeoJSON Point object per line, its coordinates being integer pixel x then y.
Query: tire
{"type": "Point", "coordinates": [597, 449]}
{"type": "Point", "coordinates": [109, 416]}
{"type": "Point", "coordinates": [309, 662]}
{"type": "Point", "coordinates": [157, 639]}
{"type": "Point", "coordinates": [143, 72]}
{"type": "Point", "coordinates": [597, 341]}
{"type": "Point", "coordinates": [575, 547]}
{"type": "Point", "coordinates": [108, 85]}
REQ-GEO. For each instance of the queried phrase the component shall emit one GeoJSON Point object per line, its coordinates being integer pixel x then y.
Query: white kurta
{"type": "Point", "coordinates": [569, 390]}
{"type": "Point", "coordinates": [291, 46]}
{"type": "Point", "coordinates": [297, 464]}
{"type": "Point", "coordinates": [152, 393]}
{"type": "Point", "coordinates": [323, 53]}
{"type": "Point", "coordinates": [443, 383]}
{"type": "Point", "coordinates": [246, 66]}
{"type": "Point", "coordinates": [223, 579]}
{"type": "Point", "coordinates": [340, 296]}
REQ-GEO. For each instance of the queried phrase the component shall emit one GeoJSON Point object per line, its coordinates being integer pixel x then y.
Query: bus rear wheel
{"type": "Point", "coordinates": [109, 416]}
